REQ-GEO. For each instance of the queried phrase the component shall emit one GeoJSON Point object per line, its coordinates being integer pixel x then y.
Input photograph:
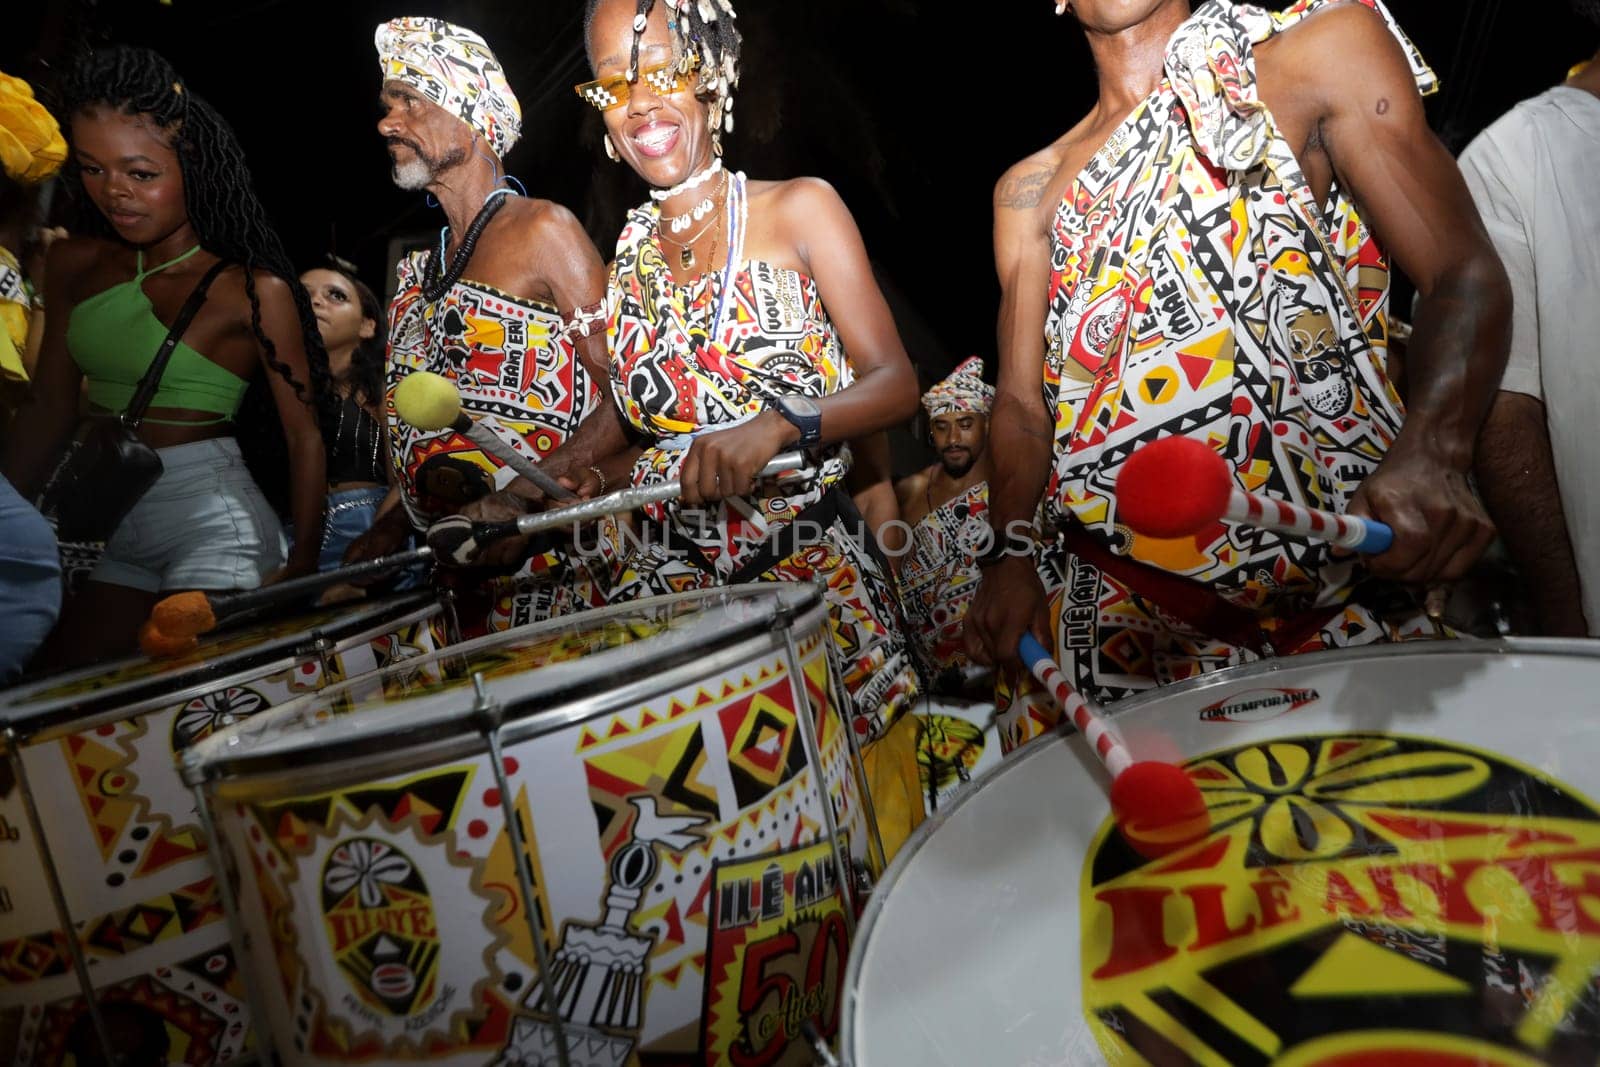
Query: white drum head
{"type": "Point", "coordinates": [1404, 862]}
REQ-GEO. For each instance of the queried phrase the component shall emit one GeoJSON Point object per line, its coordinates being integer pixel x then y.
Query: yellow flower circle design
{"type": "Point", "coordinates": [1299, 792]}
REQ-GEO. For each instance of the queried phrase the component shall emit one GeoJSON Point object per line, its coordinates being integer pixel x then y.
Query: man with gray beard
{"type": "Point", "coordinates": [508, 307]}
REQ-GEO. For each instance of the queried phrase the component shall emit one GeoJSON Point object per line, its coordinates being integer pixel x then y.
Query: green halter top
{"type": "Point", "coordinates": [114, 335]}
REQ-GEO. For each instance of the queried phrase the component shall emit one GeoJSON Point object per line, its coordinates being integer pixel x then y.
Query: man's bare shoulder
{"type": "Point", "coordinates": [1023, 186]}
{"type": "Point", "coordinates": [530, 243]}
{"type": "Point", "coordinates": [911, 491]}
{"type": "Point", "coordinates": [532, 219]}
{"type": "Point", "coordinates": [1343, 43]}
{"type": "Point", "coordinates": [1040, 179]}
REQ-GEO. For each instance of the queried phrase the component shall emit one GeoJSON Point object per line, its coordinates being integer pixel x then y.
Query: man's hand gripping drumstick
{"type": "Point", "coordinates": [1178, 486]}
{"type": "Point", "coordinates": [430, 401]}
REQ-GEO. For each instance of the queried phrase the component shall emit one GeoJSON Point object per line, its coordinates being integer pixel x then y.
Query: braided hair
{"type": "Point", "coordinates": [705, 29]}
{"type": "Point", "coordinates": [227, 218]}
{"type": "Point", "coordinates": [1589, 10]}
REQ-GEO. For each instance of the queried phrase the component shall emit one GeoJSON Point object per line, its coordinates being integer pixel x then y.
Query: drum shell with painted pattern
{"type": "Point", "coordinates": [99, 748]}
{"type": "Point", "coordinates": [653, 752]}
{"type": "Point", "coordinates": [1405, 849]}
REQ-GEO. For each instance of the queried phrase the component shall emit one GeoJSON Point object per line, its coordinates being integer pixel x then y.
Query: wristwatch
{"type": "Point", "coordinates": [802, 411]}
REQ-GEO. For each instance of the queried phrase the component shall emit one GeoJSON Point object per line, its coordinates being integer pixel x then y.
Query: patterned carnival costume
{"type": "Point", "coordinates": [939, 574]}
{"type": "Point", "coordinates": [1197, 288]}
{"type": "Point", "coordinates": [707, 355]}
{"type": "Point", "coordinates": [511, 358]}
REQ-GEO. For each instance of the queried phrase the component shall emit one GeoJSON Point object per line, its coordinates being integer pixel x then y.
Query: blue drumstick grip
{"type": "Point", "coordinates": [1376, 536]}
{"type": "Point", "coordinates": [1031, 651]}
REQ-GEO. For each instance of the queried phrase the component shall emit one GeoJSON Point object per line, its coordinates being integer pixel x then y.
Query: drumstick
{"type": "Point", "coordinates": [1176, 487]}
{"type": "Point", "coordinates": [1156, 805]}
{"type": "Point", "coordinates": [430, 401]}
{"type": "Point", "coordinates": [457, 539]}
{"type": "Point", "coordinates": [186, 615]}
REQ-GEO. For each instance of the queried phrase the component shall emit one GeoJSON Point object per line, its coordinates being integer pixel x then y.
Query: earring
{"type": "Point", "coordinates": [611, 150]}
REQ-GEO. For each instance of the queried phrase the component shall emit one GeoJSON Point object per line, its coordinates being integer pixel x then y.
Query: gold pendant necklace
{"type": "Point", "coordinates": [686, 259]}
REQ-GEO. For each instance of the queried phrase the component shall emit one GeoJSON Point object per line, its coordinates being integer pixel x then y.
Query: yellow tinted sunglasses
{"type": "Point", "coordinates": [669, 77]}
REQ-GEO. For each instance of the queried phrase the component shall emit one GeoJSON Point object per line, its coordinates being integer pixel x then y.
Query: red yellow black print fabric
{"type": "Point", "coordinates": [1198, 288]}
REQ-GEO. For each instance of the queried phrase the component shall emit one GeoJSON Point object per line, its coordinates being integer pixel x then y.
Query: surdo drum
{"type": "Point", "coordinates": [1403, 867]}
{"type": "Point", "coordinates": [95, 819]}
{"type": "Point", "coordinates": [690, 836]}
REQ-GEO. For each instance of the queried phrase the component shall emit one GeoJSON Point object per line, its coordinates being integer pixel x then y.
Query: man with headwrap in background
{"type": "Point", "coordinates": [507, 306]}
{"type": "Point", "coordinates": [946, 505]}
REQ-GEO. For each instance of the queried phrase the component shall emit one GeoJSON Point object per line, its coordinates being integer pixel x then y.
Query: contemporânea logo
{"type": "Point", "coordinates": [1258, 705]}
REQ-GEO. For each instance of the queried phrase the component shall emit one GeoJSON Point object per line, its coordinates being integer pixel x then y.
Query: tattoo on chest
{"type": "Point", "coordinates": [1025, 190]}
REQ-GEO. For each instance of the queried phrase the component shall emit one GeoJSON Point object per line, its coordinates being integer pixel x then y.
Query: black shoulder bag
{"type": "Point", "coordinates": [107, 468]}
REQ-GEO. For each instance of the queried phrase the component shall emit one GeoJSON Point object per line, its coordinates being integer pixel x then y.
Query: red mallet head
{"type": "Point", "coordinates": [1158, 808]}
{"type": "Point", "coordinates": [1175, 487]}
{"type": "Point", "coordinates": [184, 615]}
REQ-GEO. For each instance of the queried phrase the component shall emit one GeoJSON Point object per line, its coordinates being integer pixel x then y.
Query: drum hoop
{"type": "Point", "coordinates": [745, 591]}
{"type": "Point", "coordinates": [93, 708]}
{"type": "Point", "coordinates": [282, 777]}
{"type": "Point", "coordinates": [849, 1032]}
{"type": "Point", "coordinates": [573, 700]}
{"type": "Point", "coordinates": [1582, 648]}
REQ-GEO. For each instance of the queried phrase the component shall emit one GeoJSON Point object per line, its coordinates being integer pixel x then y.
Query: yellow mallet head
{"type": "Point", "coordinates": [427, 401]}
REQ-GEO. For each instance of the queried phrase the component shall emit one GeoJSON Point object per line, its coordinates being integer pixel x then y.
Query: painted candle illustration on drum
{"type": "Point", "coordinates": [598, 968]}
{"type": "Point", "coordinates": [1362, 898]}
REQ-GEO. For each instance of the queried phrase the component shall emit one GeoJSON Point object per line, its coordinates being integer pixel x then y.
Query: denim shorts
{"type": "Point", "coordinates": [349, 515]}
{"type": "Point", "coordinates": [30, 580]}
{"type": "Point", "coordinates": [203, 525]}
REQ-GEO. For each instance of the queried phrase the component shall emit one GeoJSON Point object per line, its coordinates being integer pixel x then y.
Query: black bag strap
{"type": "Point", "coordinates": [146, 392]}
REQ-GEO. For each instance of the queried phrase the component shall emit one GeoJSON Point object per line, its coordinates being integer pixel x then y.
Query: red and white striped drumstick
{"type": "Point", "coordinates": [1084, 715]}
{"type": "Point", "coordinates": [1178, 486]}
{"type": "Point", "coordinates": [1158, 808]}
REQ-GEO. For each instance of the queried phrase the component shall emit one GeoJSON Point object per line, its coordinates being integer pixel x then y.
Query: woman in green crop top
{"type": "Point", "coordinates": [172, 196]}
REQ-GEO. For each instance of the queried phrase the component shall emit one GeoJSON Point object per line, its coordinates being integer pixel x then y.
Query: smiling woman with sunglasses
{"type": "Point", "coordinates": [732, 305]}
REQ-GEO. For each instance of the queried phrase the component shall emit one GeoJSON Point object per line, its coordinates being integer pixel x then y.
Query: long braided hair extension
{"type": "Point", "coordinates": [705, 29]}
{"type": "Point", "coordinates": [227, 218]}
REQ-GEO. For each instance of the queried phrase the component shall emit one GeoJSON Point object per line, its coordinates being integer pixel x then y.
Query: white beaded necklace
{"type": "Point", "coordinates": [693, 181]}
{"type": "Point", "coordinates": [678, 223]}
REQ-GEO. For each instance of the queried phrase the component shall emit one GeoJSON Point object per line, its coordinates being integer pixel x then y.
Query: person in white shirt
{"type": "Point", "coordinates": [1533, 175]}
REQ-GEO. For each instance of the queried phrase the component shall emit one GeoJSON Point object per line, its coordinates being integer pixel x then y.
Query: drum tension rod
{"type": "Point", "coordinates": [819, 1047]}
{"type": "Point", "coordinates": [489, 716]}
{"type": "Point", "coordinates": [484, 706]}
